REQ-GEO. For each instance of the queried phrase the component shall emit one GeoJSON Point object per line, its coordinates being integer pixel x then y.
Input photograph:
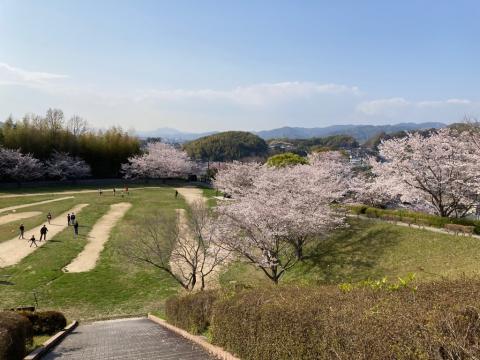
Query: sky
{"type": "Point", "coordinates": [240, 64]}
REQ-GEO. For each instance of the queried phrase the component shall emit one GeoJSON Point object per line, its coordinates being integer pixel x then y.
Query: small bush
{"type": "Point", "coordinates": [46, 322]}
{"type": "Point", "coordinates": [191, 312]}
{"type": "Point", "coordinates": [15, 333]}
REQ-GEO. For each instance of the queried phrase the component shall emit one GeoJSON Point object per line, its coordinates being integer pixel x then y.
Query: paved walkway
{"type": "Point", "coordinates": [124, 339]}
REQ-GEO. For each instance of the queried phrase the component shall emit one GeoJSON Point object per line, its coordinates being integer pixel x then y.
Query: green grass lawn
{"type": "Point", "coordinates": [114, 288]}
{"type": "Point", "coordinates": [372, 250]}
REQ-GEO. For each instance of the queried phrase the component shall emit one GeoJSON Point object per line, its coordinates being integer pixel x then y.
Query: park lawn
{"type": "Point", "coordinates": [114, 288]}
{"type": "Point", "coordinates": [20, 200]}
{"type": "Point", "coordinates": [10, 230]}
{"type": "Point", "coordinates": [373, 250]}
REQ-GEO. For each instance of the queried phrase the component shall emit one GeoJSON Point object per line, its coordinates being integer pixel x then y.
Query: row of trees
{"type": "Point", "coordinates": [42, 136]}
{"type": "Point", "coordinates": [276, 210]}
{"type": "Point", "coordinates": [15, 166]}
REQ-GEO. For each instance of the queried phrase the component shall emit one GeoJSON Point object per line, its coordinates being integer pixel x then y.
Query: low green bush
{"type": "Point", "coordinates": [46, 322]}
{"type": "Point", "coordinates": [432, 321]}
{"type": "Point", "coordinates": [413, 217]}
{"type": "Point", "coordinates": [191, 312]}
{"type": "Point", "coordinates": [15, 333]}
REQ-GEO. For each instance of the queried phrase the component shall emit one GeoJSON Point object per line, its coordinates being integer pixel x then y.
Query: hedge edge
{"type": "Point", "coordinates": [212, 349]}
{"type": "Point", "coordinates": [50, 343]}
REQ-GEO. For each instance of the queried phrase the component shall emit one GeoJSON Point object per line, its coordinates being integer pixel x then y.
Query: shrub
{"type": "Point", "coordinates": [435, 321]}
{"type": "Point", "coordinates": [191, 312]}
{"type": "Point", "coordinates": [46, 322]}
{"type": "Point", "coordinates": [15, 333]}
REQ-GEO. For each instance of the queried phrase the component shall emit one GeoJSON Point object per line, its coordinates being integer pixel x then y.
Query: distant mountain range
{"type": "Point", "coordinates": [360, 132]}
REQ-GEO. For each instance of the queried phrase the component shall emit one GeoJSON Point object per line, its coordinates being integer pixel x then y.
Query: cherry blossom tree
{"type": "Point", "coordinates": [159, 161]}
{"type": "Point", "coordinates": [440, 170]}
{"type": "Point", "coordinates": [275, 212]}
{"type": "Point", "coordinates": [62, 166]}
{"type": "Point", "coordinates": [19, 167]}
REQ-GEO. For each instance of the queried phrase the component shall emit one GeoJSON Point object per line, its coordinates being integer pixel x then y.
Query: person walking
{"type": "Point", "coordinates": [68, 219]}
{"type": "Point", "coordinates": [114, 192]}
{"type": "Point", "coordinates": [22, 231]}
{"type": "Point", "coordinates": [43, 233]}
{"type": "Point", "coordinates": [100, 192]}
{"type": "Point", "coordinates": [75, 229]}
{"type": "Point", "coordinates": [176, 194]}
{"type": "Point", "coordinates": [49, 217]}
{"type": "Point", "coordinates": [33, 241]}
{"type": "Point", "coordinates": [126, 190]}
{"type": "Point", "coordinates": [72, 218]}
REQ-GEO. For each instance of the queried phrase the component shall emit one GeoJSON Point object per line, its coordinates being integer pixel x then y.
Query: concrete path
{"type": "Point", "coordinates": [5, 219]}
{"type": "Point", "coordinates": [15, 207]}
{"type": "Point", "coordinates": [415, 226]}
{"type": "Point", "coordinates": [14, 250]}
{"type": "Point", "coordinates": [124, 339]}
{"type": "Point", "coordinates": [97, 238]}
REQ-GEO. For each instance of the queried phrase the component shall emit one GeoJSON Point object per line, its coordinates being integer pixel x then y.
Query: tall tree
{"type": "Point", "coordinates": [440, 170]}
{"type": "Point", "coordinates": [15, 166]}
{"type": "Point", "coordinates": [160, 161]}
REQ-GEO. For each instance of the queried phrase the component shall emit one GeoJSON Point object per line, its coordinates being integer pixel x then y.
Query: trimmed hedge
{"type": "Point", "coordinates": [15, 333]}
{"type": "Point", "coordinates": [413, 217]}
{"type": "Point", "coordinates": [430, 321]}
{"type": "Point", "coordinates": [436, 321]}
{"type": "Point", "coordinates": [191, 312]}
{"type": "Point", "coordinates": [46, 322]}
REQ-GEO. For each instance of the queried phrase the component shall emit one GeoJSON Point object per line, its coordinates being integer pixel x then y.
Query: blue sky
{"type": "Point", "coordinates": [250, 65]}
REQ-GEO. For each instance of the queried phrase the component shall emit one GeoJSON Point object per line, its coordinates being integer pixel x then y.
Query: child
{"type": "Point", "coordinates": [33, 241]}
{"type": "Point", "coordinates": [68, 219]}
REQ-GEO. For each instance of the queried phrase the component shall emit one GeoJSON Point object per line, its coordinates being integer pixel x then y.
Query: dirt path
{"type": "Point", "coordinates": [74, 192]}
{"type": "Point", "coordinates": [15, 207]}
{"type": "Point", "coordinates": [415, 226]}
{"type": "Point", "coordinates": [97, 238]}
{"type": "Point", "coordinates": [5, 219]}
{"type": "Point", "coordinates": [14, 250]}
{"type": "Point", "coordinates": [191, 194]}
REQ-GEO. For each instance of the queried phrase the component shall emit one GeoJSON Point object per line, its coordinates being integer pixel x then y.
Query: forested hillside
{"type": "Point", "coordinates": [227, 146]}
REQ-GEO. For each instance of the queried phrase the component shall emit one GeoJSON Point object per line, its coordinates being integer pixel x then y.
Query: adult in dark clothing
{"type": "Point", "coordinates": [22, 231]}
{"type": "Point", "coordinates": [176, 194]}
{"type": "Point", "coordinates": [49, 217]}
{"type": "Point", "coordinates": [75, 229]}
{"type": "Point", "coordinates": [72, 218]}
{"type": "Point", "coordinates": [68, 219]}
{"type": "Point", "coordinates": [43, 233]}
{"type": "Point", "coordinates": [33, 241]}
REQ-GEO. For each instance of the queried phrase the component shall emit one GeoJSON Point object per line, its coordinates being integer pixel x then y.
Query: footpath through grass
{"type": "Point", "coordinates": [114, 288]}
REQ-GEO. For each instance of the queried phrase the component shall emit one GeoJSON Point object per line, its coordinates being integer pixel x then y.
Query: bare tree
{"type": "Point", "coordinates": [184, 246]}
{"type": "Point", "coordinates": [77, 125]}
{"type": "Point", "coordinates": [54, 120]}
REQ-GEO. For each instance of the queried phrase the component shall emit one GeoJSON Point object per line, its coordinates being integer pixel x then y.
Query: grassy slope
{"type": "Point", "coordinates": [373, 250]}
{"type": "Point", "coordinates": [114, 287]}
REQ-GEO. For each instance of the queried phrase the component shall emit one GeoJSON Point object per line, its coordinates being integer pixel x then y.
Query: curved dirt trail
{"type": "Point", "coordinates": [106, 191]}
{"type": "Point", "coordinates": [191, 194]}
{"type": "Point", "coordinates": [5, 219]}
{"type": "Point", "coordinates": [14, 250]}
{"type": "Point", "coordinates": [15, 207]}
{"type": "Point", "coordinates": [97, 238]}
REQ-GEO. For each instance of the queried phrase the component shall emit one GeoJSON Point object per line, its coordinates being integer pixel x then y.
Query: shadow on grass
{"type": "Point", "coordinates": [347, 255]}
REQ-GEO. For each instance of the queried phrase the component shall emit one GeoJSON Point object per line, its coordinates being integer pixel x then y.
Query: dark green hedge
{"type": "Point", "coordinates": [415, 217]}
{"type": "Point", "coordinates": [191, 312]}
{"type": "Point", "coordinates": [46, 322]}
{"type": "Point", "coordinates": [15, 333]}
{"type": "Point", "coordinates": [434, 321]}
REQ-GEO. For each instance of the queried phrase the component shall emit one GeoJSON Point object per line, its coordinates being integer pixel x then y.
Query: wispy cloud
{"type": "Point", "coordinates": [17, 76]}
{"type": "Point", "coordinates": [256, 94]}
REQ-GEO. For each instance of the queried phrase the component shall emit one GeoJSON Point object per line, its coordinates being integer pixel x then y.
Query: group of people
{"type": "Point", "coordinates": [72, 221]}
{"type": "Point", "coordinates": [33, 240]}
